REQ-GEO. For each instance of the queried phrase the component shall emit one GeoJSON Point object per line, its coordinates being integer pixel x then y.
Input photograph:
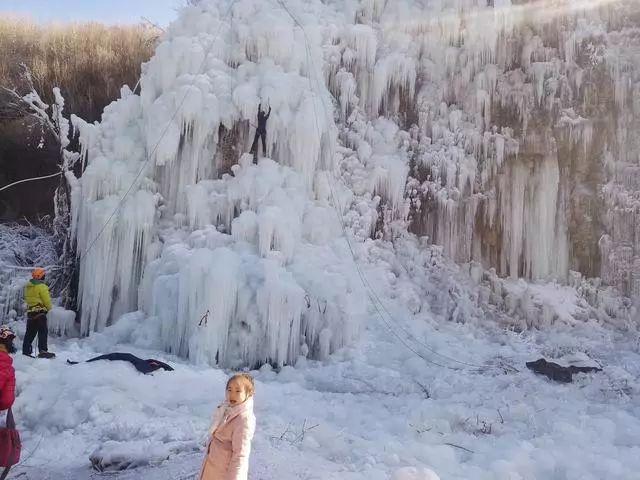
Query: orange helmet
{"type": "Point", "coordinates": [38, 273]}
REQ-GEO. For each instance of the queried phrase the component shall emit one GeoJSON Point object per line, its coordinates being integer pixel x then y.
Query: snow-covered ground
{"type": "Point", "coordinates": [375, 410]}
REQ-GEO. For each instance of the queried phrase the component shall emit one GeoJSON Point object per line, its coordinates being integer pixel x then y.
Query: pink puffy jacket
{"type": "Point", "coordinates": [229, 446]}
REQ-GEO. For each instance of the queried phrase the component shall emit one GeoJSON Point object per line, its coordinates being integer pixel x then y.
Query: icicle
{"type": "Point", "coordinates": [245, 227]}
{"type": "Point", "coordinates": [280, 303]}
{"type": "Point", "coordinates": [275, 233]}
{"type": "Point", "coordinates": [347, 88]}
{"type": "Point", "coordinates": [397, 71]}
{"type": "Point", "coordinates": [198, 209]}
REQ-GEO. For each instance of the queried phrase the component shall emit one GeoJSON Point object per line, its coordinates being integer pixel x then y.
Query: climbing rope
{"type": "Point", "coordinates": [16, 267]}
{"type": "Point", "coordinates": [30, 180]}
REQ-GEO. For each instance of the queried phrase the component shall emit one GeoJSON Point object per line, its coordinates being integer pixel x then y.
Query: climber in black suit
{"type": "Point", "coordinates": [261, 132]}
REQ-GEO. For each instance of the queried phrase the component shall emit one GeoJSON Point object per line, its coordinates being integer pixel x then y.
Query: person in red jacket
{"type": "Point", "coordinates": [7, 372]}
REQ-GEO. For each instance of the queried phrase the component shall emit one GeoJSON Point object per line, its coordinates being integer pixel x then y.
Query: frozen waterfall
{"type": "Point", "coordinates": [501, 130]}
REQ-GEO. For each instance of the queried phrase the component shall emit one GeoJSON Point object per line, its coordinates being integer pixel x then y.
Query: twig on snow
{"type": "Point", "coordinates": [460, 447]}
{"type": "Point", "coordinates": [424, 388]}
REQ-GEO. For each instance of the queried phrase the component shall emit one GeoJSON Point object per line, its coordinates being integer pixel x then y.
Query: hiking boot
{"type": "Point", "coordinates": [46, 355]}
{"type": "Point", "coordinates": [28, 355]}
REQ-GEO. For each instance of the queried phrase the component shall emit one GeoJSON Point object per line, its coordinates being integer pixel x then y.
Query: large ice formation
{"type": "Point", "coordinates": [502, 130]}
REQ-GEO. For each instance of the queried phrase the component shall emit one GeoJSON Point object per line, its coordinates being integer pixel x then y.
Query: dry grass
{"type": "Point", "coordinates": [89, 62]}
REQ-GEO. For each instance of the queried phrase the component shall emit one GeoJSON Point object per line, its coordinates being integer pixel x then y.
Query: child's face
{"type": "Point", "coordinates": [236, 393]}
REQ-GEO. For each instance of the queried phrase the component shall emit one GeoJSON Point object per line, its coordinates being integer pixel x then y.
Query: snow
{"type": "Point", "coordinates": [372, 410]}
{"type": "Point", "coordinates": [411, 473]}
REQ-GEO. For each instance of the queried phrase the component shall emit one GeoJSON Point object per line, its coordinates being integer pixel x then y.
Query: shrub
{"type": "Point", "coordinates": [89, 61]}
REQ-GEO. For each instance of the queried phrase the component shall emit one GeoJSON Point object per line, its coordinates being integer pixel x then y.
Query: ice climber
{"type": "Point", "coordinates": [261, 132]}
{"type": "Point", "coordinates": [38, 300]}
{"type": "Point", "coordinates": [231, 432]}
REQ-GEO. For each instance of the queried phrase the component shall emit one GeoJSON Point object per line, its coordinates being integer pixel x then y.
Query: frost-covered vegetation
{"type": "Point", "coordinates": [22, 247]}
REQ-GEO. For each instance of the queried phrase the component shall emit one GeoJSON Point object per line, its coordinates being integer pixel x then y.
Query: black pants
{"type": "Point", "coordinates": [254, 148]}
{"type": "Point", "coordinates": [36, 325]}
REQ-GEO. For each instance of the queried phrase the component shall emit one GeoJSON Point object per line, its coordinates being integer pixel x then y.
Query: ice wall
{"type": "Point", "coordinates": [519, 114]}
{"type": "Point", "coordinates": [516, 113]}
{"type": "Point", "coordinates": [232, 263]}
{"type": "Point", "coordinates": [501, 130]}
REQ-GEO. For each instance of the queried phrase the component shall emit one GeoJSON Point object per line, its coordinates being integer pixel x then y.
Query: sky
{"type": "Point", "coordinates": [161, 12]}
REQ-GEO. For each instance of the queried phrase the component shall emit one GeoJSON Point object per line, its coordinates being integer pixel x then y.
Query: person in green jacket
{"type": "Point", "coordinates": [38, 300]}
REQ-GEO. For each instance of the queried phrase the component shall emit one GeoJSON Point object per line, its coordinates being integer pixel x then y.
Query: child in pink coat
{"type": "Point", "coordinates": [231, 433]}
